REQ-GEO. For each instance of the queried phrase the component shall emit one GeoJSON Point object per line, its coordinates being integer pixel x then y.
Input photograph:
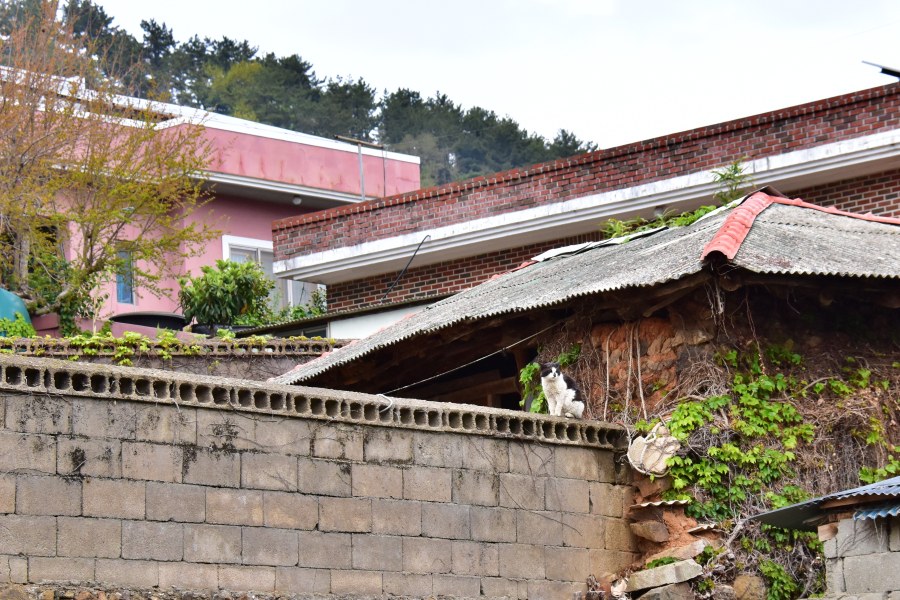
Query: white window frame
{"type": "Point", "coordinates": [245, 242]}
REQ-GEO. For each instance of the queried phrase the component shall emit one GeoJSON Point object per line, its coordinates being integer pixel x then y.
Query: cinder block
{"type": "Point", "coordinates": [866, 536]}
{"type": "Point", "coordinates": [176, 502]}
{"type": "Point", "coordinates": [499, 587]}
{"type": "Point", "coordinates": [113, 498]}
{"type": "Point", "coordinates": [376, 481]}
{"type": "Point", "coordinates": [356, 582]}
{"type": "Point", "coordinates": [268, 472]}
{"type": "Point", "coordinates": [189, 576]}
{"type": "Point", "coordinates": [269, 546]}
{"type": "Point", "coordinates": [42, 570]}
{"type": "Point", "coordinates": [429, 485]}
{"type": "Point", "coordinates": [115, 419]}
{"type": "Point", "coordinates": [619, 536]}
{"type": "Point", "coordinates": [521, 561]}
{"type": "Point", "coordinates": [247, 579]}
{"type": "Point", "coordinates": [39, 414]}
{"type": "Point", "coordinates": [345, 514]}
{"type": "Point", "coordinates": [215, 467]}
{"type": "Point", "coordinates": [327, 550]}
{"type": "Point", "coordinates": [134, 573]}
{"type": "Point", "coordinates": [323, 478]}
{"type": "Point", "coordinates": [407, 585]}
{"type": "Point", "coordinates": [605, 562]}
{"type": "Point", "coordinates": [337, 441]}
{"type": "Point", "coordinates": [397, 517]}
{"type": "Point", "coordinates": [284, 436]}
{"type": "Point", "coordinates": [528, 458]}
{"type": "Point", "coordinates": [610, 500]}
{"type": "Point", "coordinates": [475, 487]}
{"type": "Point", "coordinates": [567, 495]}
{"type": "Point", "coordinates": [567, 564]}
{"type": "Point", "coordinates": [27, 453]}
{"type": "Point", "coordinates": [290, 510]}
{"type": "Point", "coordinates": [834, 576]}
{"type": "Point", "coordinates": [89, 538]}
{"type": "Point", "coordinates": [166, 424]}
{"type": "Point", "coordinates": [152, 540]}
{"type": "Point", "coordinates": [893, 525]}
{"type": "Point", "coordinates": [457, 586]}
{"type": "Point", "coordinates": [539, 527]}
{"type": "Point", "coordinates": [426, 555]}
{"type": "Point", "coordinates": [42, 495]}
{"type": "Point", "coordinates": [485, 454]}
{"type": "Point", "coordinates": [860, 577]}
{"type": "Point", "coordinates": [212, 544]}
{"type": "Point", "coordinates": [234, 507]}
{"type": "Point", "coordinates": [377, 552]}
{"type": "Point", "coordinates": [446, 521]}
{"type": "Point", "coordinates": [554, 589]}
{"type": "Point", "coordinates": [475, 558]}
{"type": "Point", "coordinates": [435, 450]}
{"type": "Point", "coordinates": [584, 531]}
{"type": "Point", "coordinates": [493, 524]}
{"type": "Point", "coordinates": [225, 430]}
{"type": "Point", "coordinates": [385, 445]}
{"type": "Point", "coordinates": [18, 569]}
{"type": "Point", "coordinates": [296, 580]}
{"type": "Point", "coordinates": [7, 493]}
{"type": "Point", "coordinates": [156, 462]}
{"type": "Point", "coordinates": [521, 491]}
{"type": "Point", "coordinates": [101, 457]}
{"type": "Point", "coordinates": [584, 463]}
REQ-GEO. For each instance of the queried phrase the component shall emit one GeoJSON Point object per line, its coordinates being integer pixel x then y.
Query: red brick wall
{"type": "Point", "coordinates": [441, 278]}
{"type": "Point", "coordinates": [878, 194]}
{"type": "Point", "coordinates": [780, 131]}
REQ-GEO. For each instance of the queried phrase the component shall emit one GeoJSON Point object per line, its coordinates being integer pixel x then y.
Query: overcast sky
{"type": "Point", "coordinates": [611, 71]}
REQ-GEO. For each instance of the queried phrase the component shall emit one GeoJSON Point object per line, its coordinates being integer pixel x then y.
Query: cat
{"type": "Point", "coordinates": [563, 398]}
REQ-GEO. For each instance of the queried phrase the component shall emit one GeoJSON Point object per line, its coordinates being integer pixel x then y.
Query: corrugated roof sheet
{"type": "Point", "coordinates": [783, 238]}
{"type": "Point", "coordinates": [802, 515]}
{"type": "Point", "coordinates": [877, 513]}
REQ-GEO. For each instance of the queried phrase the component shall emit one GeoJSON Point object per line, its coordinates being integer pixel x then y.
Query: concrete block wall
{"type": "Point", "coordinates": [140, 479]}
{"type": "Point", "coordinates": [863, 559]}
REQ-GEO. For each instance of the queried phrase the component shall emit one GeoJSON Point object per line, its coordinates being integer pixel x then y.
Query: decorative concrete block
{"type": "Point", "coordinates": [152, 540]}
{"type": "Point", "coordinates": [269, 546]}
{"type": "Point", "coordinates": [521, 561]}
{"type": "Point", "coordinates": [427, 484]}
{"type": "Point", "coordinates": [175, 502]}
{"type": "Point", "coordinates": [89, 538]}
{"type": "Point", "coordinates": [234, 507]}
{"type": "Point", "coordinates": [43, 495]}
{"type": "Point", "coordinates": [446, 521]}
{"type": "Point", "coordinates": [397, 517]}
{"type": "Point", "coordinates": [215, 467]}
{"type": "Point", "coordinates": [325, 550]}
{"type": "Point", "coordinates": [268, 472]}
{"type": "Point", "coordinates": [426, 555]}
{"type": "Point", "coordinates": [113, 498]}
{"type": "Point", "coordinates": [376, 481]}
{"type": "Point", "coordinates": [475, 487]}
{"type": "Point", "coordinates": [323, 477]}
{"type": "Point", "coordinates": [567, 495]}
{"type": "Point", "coordinates": [28, 536]}
{"type": "Point", "coordinates": [212, 543]}
{"type": "Point", "coordinates": [377, 552]}
{"type": "Point", "coordinates": [345, 514]}
{"type": "Point", "coordinates": [290, 511]}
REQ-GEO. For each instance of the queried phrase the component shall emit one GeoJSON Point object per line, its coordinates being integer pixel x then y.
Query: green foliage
{"type": "Point", "coordinates": [530, 379]}
{"type": "Point", "coordinates": [223, 294]}
{"type": "Point", "coordinates": [614, 228]}
{"type": "Point", "coordinates": [122, 349]}
{"type": "Point", "coordinates": [780, 584]}
{"type": "Point", "coordinates": [17, 327]}
{"type": "Point", "coordinates": [659, 562]}
{"type": "Point", "coordinates": [733, 181]}
{"type": "Point", "coordinates": [891, 468]}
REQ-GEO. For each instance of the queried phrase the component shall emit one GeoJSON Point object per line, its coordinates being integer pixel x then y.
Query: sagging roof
{"type": "Point", "coordinates": [764, 234]}
{"type": "Point", "coordinates": [868, 502]}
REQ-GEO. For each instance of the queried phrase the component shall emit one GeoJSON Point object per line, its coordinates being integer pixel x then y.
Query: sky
{"type": "Point", "coordinates": [610, 71]}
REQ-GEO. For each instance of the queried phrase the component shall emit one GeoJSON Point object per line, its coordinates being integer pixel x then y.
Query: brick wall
{"type": "Point", "coordinates": [877, 194]}
{"type": "Point", "coordinates": [133, 478]}
{"type": "Point", "coordinates": [768, 134]}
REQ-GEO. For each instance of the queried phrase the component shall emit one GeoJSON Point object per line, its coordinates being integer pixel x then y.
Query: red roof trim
{"type": "Point", "coordinates": [734, 230]}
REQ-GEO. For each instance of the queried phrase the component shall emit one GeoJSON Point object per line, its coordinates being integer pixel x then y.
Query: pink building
{"type": "Point", "coordinates": [260, 174]}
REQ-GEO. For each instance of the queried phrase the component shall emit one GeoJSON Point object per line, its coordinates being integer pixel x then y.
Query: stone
{"type": "Point", "coordinates": [655, 531]}
{"type": "Point", "coordinates": [13, 592]}
{"type": "Point", "coordinates": [649, 487]}
{"type": "Point", "coordinates": [673, 591]}
{"type": "Point", "coordinates": [749, 587]}
{"type": "Point", "coordinates": [680, 552]}
{"type": "Point", "coordinates": [723, 592]}
{"type": "Point", "coordinates": [684, 570]}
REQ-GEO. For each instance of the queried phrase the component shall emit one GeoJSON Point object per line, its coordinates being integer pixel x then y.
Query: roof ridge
{"type": "Point", "coordinates": [734, 229]}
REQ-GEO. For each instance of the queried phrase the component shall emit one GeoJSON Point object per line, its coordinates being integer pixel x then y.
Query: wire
{"type": "Point", "coordinates": [403, 272]}
{"type": "Point", "coordinates": [471, 362]}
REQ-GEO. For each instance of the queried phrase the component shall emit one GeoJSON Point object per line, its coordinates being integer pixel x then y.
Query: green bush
{"type": "Point", "coordinates": [226, 293]}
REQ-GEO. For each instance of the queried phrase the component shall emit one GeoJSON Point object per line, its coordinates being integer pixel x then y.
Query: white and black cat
{"type": "Point", "coordinates": [563, 398]}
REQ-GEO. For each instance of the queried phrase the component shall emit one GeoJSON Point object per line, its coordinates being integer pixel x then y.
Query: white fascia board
{"type": "Point", "coordinates": [578, 214]}
{"type": "Point", "coordinates": [286, 188]}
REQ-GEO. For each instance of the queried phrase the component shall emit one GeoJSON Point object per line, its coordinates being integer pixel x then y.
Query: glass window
{"type": "Point", "coordinates": [125, 278]}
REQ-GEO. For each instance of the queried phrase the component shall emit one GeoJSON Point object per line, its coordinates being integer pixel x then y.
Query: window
{"type": "Point", "coordinates": [125, 277]}
{"type": "Point", "coordinates": [286, 292]}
